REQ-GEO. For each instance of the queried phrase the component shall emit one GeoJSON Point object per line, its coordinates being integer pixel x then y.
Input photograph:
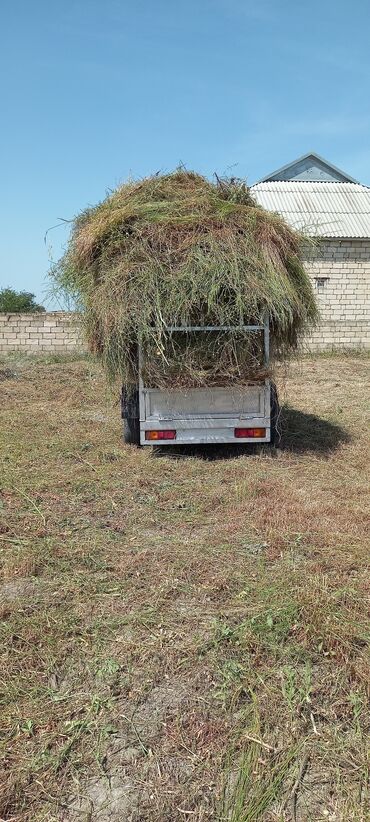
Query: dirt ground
{"type": "Point", "coordinates": [184, 635]}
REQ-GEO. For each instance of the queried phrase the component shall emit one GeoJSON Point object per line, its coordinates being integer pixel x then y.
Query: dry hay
{"type": "Point", "coordinates": [177, 249]}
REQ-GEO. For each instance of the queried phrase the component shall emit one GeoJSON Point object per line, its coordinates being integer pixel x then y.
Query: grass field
{"type": "Point", "coordinates": [183, 637]}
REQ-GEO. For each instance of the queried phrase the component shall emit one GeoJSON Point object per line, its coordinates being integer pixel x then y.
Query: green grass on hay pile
{"type": "Point", "coordinates": [178, 249]}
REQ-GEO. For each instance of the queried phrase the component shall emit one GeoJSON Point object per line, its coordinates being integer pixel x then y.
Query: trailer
{"type": "Point", "coordinates": [203, 416]}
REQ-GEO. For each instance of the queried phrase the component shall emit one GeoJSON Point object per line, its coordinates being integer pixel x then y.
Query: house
{"type": "Point", "coordinates": [330, 206]}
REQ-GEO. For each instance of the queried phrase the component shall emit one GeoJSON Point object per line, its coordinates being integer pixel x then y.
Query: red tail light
{"type": "Point", "coordinates": [244, 433]}
{"type": "Point", "coordinates": [160, 435]}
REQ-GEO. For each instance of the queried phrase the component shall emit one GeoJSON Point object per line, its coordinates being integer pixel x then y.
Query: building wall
{"type": "Point", "coordinates": [50, 332]}
{"type": "Point", "coordinates": [340, 270]}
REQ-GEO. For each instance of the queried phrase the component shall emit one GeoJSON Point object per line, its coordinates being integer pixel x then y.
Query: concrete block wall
{"type": "Point", "coordinates": [340, 270]}
{"type": "Point", "coordinates": [55, 332]}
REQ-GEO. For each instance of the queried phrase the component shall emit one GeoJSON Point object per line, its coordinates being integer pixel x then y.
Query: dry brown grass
{"type": "Point", "coordinates": [178, 250]}
{"type": "Point", "coordinates": [183, 637]}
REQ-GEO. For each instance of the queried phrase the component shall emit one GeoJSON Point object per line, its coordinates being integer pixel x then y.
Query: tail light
{"type": "Point", "coordinates": [245, 433]}
{"type": "Point", "coordinates": [160, 435]}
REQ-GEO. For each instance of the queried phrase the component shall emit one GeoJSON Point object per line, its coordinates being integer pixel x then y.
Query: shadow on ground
{"type": "Point", "coordinates": [298, 432]}
{"type": "Point", "coordinates": [306, 432]}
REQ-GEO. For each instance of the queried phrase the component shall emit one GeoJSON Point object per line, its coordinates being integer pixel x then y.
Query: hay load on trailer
{"type": "Point", "coordinates": [177, 251]}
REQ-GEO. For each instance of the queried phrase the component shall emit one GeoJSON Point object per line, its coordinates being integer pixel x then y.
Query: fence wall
{"type": "Point", "coordinates": [53, 332]}
{"type": "Point", "coordinates": [340, 270]}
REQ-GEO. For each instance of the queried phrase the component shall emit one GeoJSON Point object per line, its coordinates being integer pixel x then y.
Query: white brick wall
{"type": "Point", "coordinates": [344, 302]}
{"type": "Point", "coordinates": [344, 298]}
{"type": "Point", "coordinates": [54, 332]}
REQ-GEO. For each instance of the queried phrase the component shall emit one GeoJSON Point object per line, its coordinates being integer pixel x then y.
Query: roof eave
{"type": "Point", "coordinates": [341, 237]}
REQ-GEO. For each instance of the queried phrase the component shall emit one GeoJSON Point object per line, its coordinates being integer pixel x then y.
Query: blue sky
{"type": "Point", "coordinates": [95, 90]}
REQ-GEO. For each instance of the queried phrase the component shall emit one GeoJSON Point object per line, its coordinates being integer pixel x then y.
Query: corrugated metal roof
{"type": "Point", "coordinates": [323, 209]}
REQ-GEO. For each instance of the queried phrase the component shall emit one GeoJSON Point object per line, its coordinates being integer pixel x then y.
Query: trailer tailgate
{"type": "Point", "coordinates": [240, 402]}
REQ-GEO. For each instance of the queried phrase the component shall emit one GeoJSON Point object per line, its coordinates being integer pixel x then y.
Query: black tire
{"type": "Point", "coordinates": [131, 417]}
{"type": "Point", "coordinates": [131, 432]}
{"type": "Point", "coordinates": [275, 416]}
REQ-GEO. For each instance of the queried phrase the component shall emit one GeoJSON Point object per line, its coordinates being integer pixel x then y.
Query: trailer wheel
{"type": "Point", "coordinates": [275, 416]}
{"type": "Point", "coordinates": [131, 432]}
{"type": "Point", "coordinates": [131, 418]}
